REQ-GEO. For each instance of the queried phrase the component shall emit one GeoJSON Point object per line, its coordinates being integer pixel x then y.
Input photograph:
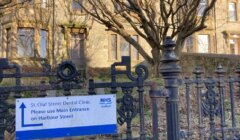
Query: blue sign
{"type": "Point", "coordinates": [38, 118]}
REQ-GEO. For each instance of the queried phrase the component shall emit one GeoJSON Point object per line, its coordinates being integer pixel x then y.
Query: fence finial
{"type": "Point", "coordinates": [169, 54]}
{"type": "Point", "coordinates": [238, 69]}
{"type": "Point", "coordinates": [220, 69]}
{"type": "Point", "coordinates": [198, 70]}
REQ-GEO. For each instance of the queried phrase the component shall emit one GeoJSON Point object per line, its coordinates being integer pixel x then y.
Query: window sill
{"type": "Point", "coordinates": [27, 58]}
{"type": "Point", "coordinates": [233, 21]}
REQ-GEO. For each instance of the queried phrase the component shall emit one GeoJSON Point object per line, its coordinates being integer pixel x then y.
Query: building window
{"type": "Point", "coordinates": [25, 42]}
{"type": "Point", "coordinates": [203, 43]}
{"type": "Point", "coordinates": [124, 47]}
{"type": "Point", "coordinates": [120, 47]}
{"type": "Point", "coordinates": [135, 53]}
{"type": "Point", "coordinates": [77, 54]}
{"type": "Point", "coordinates": [43, 43]}
{"type": "Point", "coordinates": [114, 47]}
{"type": "Point", "coordinates": [77, 5]}
{"type": "Point", "coordinates": [9, 47]}
{"type": "Point", "coordinates": [232, 11]}
{"type": "Point", "coordinates": [202, 6]}
{"type": "Point", "coordinates": [188, 44]}
{"type": "Point", "coordinates": [234, 45]}
{"type": "Point", "coordinates": [44, 3]}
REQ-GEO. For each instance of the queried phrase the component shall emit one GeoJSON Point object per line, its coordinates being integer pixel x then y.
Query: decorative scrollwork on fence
{"type": "Point", "coordinates": [127, 110]}
{"type": "Point", "coordinates": [210, 106]}
{"type": "Point", "coordinates": [66, 71]}
{"type": "Point", "coordinates": [66, 77]}
{"type": "Point", "coordinates": [142, 71]}
{"type": "Point", "coordinates": [128, 105]}
{"type": "Point", "coordinates": [10, 122]}
{"type": "Point", "coordinates": [7, 119]}
{"type": "Point", "coordinates": [210, 103]}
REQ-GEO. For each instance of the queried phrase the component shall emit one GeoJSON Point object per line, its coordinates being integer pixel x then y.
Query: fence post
{"type": "Point", "coordinates": [199, 85]}
{"type": "Point", "coordinates": [221, 84]}
{"type": "Point", "coordinates": [170, 71]}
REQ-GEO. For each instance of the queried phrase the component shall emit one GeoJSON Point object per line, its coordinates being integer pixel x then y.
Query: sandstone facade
{"type": "Point", "coordinates": [79, 38]}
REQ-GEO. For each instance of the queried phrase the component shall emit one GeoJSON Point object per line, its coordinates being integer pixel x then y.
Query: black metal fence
{"type": "Point", "coordinates": [217, 114]}
{"type": "Point", "coordinates": [65, 78]}
{"type": "Point", "coordinates": [207, 100]}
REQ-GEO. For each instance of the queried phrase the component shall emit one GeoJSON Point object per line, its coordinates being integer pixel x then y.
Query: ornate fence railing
{"type": "Point", "coordinates": [130, 105]}
{"type": "Point", "coordinates": [215, 98]}
{"type": "Point", "coordinates": [211, 101]}
{"type": "Point", "coordinates": [65, 78]}
{"type": "Point", "coordinates": [207, 100]}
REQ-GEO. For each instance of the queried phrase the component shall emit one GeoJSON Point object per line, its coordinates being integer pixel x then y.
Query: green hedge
{"type": "Point", "coordinates": [188, 62]}
{"type": "Point", "coordinates": [208, 62]}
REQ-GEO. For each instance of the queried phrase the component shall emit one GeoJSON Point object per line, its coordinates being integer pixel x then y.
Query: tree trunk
{"type": "Point", "coordinates": [155, 70]}
{"type": "Point", "coordinates": [179, 47]}
{"type": "Point", "coordinates": [156, 62]}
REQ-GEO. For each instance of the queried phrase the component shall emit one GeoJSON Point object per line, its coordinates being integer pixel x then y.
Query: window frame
{"type": "Point", "coordinates": [78, 37]}
{"type": "Point", "coordinates": [33, 43]}
{"type": "Point", "coordinates": [124, 45]}
{"type": "Point", "coordinates": [200, 10]}
{"type": "Point", "coordinates": [44, 3]}
{"type": "Point", "coordinates": [115, 46]}
{"type": "Point", "coordinates": [134, 50]}
{"type": "Point", "coordinates": [235, 13]}
{"type": "Point", "coordinates": [46, 44]}
{"type": "Point", "coordinates": [78, 7]}
{"type": "Point", "coordinates": [234, 39]}
{"type": "Point", "coordinates": [118, 48]}
{"type": "Point", "coordinates": [209, 43]}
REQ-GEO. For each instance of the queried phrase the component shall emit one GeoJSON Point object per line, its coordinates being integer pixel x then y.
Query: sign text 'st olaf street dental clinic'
{"type": "Point", "coordinates": [54, 113]}
{"type": "Point", "coordinates": [65, 116]}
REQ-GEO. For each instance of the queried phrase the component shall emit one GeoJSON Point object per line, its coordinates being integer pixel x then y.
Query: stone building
{"type": "Point", "coordinates": [34, 30]}
{"type": "Point", "coordinates": [222, 35]}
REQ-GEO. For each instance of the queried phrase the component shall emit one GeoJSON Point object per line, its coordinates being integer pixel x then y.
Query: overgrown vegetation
{"type": "Point", "coordinates": [208, 62]}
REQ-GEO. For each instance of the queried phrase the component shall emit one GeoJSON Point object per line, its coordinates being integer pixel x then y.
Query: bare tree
{"type": "Point", "coordinates": [4, 2]}
{"type": "Point", "coordinates": [152, 20]}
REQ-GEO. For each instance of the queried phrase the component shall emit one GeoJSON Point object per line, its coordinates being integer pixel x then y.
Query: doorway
{"type": "Point", "coordinates": [77, 49]}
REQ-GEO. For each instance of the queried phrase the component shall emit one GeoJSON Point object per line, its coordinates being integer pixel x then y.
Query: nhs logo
{"type": "Point", "coordinates": [105, 102]}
